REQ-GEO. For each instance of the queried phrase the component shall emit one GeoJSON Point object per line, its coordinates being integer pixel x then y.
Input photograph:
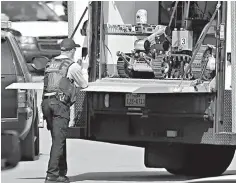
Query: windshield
{"type": "Point", "coordinates": [7, 64]}
{"type": "Point", "coordinates": [28, 11]}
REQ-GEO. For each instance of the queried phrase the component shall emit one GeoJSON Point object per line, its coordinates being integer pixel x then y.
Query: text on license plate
{"type": "Point", "coordinates": [137, 100]}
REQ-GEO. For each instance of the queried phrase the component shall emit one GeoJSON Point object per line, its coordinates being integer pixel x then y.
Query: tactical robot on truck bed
{"type": "Point", "coordinates": [168, 54]}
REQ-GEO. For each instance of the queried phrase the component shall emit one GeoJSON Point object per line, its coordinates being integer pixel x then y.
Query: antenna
{"type": "Point", "coordinates": [80, 20]}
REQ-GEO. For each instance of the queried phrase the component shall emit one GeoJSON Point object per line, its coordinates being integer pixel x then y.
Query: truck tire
{"type": "Point", "coordinates": [175, 171]}
{"type": "Point", "coordinates": [11, 153]}
{"type": "Point", "coordinates": [30, 145]}
{"type": "Point", "coordinates": [205, 160]}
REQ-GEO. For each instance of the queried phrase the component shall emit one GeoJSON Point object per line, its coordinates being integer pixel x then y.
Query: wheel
{"type": "Point", "coordinates": [175, 171]}
{"type": "Point", "coordinates": [11, 153]}
{"type": "Point", "coordinates": [207, 74]}
{"type": "Point", "coordinates": [165, 67]}
{"type": "Point", "coordinates": [205, 160]}
{"type": "Point", "coordinates": [189, 74]}
{"type": "Point", "coordinates": [30, 145]}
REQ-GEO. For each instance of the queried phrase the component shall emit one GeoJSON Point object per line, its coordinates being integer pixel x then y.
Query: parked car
{"type": "Point", "coordinates": [10, 149]}
{"type": "Point", "coordinates": [41, 28]}
{"type": "Point", "coordinates": [59, 8]}
{"type": "Point", "coordinates": [18, 107]}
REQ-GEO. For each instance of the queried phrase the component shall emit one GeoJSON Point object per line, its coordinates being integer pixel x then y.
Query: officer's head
{"type": "Point", "coordinates": [84, 30]}
{"type": "Point", "coordinates": [68, 47]}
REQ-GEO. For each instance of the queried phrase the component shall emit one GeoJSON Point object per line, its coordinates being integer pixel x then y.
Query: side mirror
{"type": "Point", "coordinates": [15, 32]}
{"type": "Point", "coordinates": [39, 63]}
{"type": "Point", "coordinates": [10, 149]}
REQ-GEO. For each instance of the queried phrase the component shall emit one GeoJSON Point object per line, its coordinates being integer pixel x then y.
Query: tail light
{"type": "Point", "coordinates": [22, 98]}
{"type": "Point", "coordinates": [106, 100]}
{"type": "Point", "coordinates": [22, 95]}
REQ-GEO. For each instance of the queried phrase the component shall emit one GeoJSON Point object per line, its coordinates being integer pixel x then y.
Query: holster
{"type": "Point", "coordinates": [68, 91]}
{"type": "Point", "coordinates": [65, 99]}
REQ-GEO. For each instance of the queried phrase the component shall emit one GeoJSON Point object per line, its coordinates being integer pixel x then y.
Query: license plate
{"type": "Point", "coordinates": [136, 100]}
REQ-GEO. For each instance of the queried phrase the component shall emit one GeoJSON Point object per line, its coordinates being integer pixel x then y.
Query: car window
{"type": "Point", "coordinates": [7, 62]}
{"type": "Point", "coordinates": [17, 64]}
{"type": "Point", "coordinates": [22, 63]}
{"type": "Point", "coordinates": [28, 11]}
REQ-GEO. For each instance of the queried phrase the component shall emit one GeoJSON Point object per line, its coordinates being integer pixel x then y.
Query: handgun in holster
{"type": "Point", "coordinates": [68, 89]}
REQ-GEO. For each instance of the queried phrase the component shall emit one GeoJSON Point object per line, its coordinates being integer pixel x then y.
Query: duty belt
{"type": "Point", "coordinates": [59, 96]}
{"type": "Point", "coordinates": [49, 94]}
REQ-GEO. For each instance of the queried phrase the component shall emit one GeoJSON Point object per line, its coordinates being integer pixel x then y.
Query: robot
{"type": "Point", "coordinates": [166, 54]}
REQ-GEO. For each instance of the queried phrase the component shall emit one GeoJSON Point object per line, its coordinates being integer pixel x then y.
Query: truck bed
{"type": "Point", "coordinates": [127, 85]}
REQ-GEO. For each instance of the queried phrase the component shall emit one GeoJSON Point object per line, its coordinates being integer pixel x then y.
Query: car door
{"type": "Point", "coordinates": [8, 76]}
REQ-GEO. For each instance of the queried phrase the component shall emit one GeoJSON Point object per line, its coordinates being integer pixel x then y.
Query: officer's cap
{"type": "Point", "coordinates": [68, 44]}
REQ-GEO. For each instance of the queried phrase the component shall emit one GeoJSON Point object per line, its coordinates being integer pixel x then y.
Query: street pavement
{"type": "Point", "coordinates": [96, 162]}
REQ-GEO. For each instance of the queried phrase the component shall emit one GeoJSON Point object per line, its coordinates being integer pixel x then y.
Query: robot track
{"type": "Point", "coordinates": [122, 68]}
{"type": "Point", "coordinates": [173, 66]}
{"type": "Point", "coordinates": [170, 67]}
{"type": "Point", "coordinates": [198, 67]}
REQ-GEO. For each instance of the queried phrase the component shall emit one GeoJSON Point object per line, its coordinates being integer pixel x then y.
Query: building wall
{"type": "Point", "coordinates": [124, 12]}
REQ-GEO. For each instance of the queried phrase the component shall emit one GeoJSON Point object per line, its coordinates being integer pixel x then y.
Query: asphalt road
{"type": "Point", "coordinates": [95, 162]}
{"type": "Point", "coordinates": [98, 162]}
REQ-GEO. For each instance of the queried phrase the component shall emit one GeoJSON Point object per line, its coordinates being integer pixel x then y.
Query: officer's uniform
{"type": "Point", "coordinates": [57, 115]}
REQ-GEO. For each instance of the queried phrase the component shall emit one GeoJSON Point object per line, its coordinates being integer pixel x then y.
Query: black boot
{"type": "Point", "coordinates": [62, 179]}
{"type": "Point", "coordinates": [51, 179]}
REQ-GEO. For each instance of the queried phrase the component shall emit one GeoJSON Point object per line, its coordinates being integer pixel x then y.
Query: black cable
{"type": "Point", "coordinates": [199, 9]}
{"type": "Point", "coordinates": [80, 20]}
{"type": "Point", "coordinates": [205, 9]}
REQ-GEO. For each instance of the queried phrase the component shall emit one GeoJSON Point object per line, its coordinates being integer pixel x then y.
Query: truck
{"type": "Point", "coordinates": [185, 115]}
{"type": "Point", "coordinates": [186, 125]}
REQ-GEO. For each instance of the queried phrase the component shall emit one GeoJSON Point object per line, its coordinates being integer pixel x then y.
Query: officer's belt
{"type": "Point", "coordinates": [49, 94]}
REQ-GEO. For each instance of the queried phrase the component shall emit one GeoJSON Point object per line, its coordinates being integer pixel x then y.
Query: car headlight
{"type": "Point", "coordinates": [27, 40]}
{"type": "Point", "coordinates": [28, 46]}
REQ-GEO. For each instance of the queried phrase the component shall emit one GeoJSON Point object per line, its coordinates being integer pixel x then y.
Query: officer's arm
{"type": "Point", "coordinates": [76, 74]}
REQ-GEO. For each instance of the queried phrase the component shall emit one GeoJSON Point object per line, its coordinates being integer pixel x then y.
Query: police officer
{"type": "Point", "coordinates": [63, 77]}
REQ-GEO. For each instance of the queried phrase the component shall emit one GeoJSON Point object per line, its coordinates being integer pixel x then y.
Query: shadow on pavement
{"type": "Point", "coordinates": [228, 177]}
{"type": "Point", "coordinates": [128, 176]}
{"type": "Point", "coordinates": [147, 176]}
{"type": "Point", "coordinates": [125, 176]}
{"type": "Point", "coordinates": [213, 180]}
{"type": "Point", "coordinates": [230, 172]}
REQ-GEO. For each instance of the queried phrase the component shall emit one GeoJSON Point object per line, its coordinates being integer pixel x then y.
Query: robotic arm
{"type": "Point", "coordinates": [151, 41]}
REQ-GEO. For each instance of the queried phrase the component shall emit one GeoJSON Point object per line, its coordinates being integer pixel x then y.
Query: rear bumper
{"type": "Point", "coordinates": [125, 129]}
{"type": "Point", "coordinates": [187, 115]}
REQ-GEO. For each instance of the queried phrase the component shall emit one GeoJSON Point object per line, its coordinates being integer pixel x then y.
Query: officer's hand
{"type": "Point", "coordinates": [49, 127]}
{"type": "Point", "coordinates": [212, 85]}
{"type": "Point", "coordinates": [79, 62]}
